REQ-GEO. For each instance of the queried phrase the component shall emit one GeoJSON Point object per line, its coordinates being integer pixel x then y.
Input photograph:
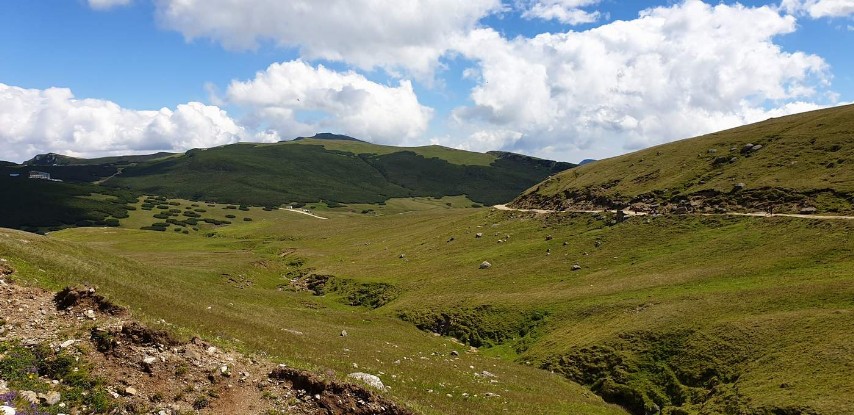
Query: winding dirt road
{"type": "Point", "coordinates": [632, 213]}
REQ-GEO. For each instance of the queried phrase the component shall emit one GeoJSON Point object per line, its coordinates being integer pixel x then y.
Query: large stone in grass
{"type": "Point", "coordinates": [52, 398]}
{"type": "Point", "coordinates": [372, 380]}
{"type": "Point", "coordinates": [485, 265]}
{"type": "Point", "coordinates": [30, 397]}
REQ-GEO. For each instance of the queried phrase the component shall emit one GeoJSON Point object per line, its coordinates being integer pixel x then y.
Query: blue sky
{"type": "Point", "coordinates": [562, 79]}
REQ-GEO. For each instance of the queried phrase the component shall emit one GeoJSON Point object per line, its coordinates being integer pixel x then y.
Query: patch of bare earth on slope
{"type": "Point", "coordinates": [148, 371]}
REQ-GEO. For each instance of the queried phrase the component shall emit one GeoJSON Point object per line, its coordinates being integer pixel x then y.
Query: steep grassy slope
{"type": "Point", "coordinates": [693, 314]}
{"type": "Point", "coordinates": [336, 171]}
{"type": "Point", "coordinates": [794, 162]}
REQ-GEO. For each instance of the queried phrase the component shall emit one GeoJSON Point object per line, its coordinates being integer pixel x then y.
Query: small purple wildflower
{"type": "Point", "coordinates": [8, 397]}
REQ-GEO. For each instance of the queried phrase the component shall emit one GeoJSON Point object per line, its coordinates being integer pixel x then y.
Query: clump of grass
{"type": "Point", "coordinates": [27, 368]}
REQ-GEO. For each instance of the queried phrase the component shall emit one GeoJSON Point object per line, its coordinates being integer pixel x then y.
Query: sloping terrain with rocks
{"type": "Point", "coordinates": [73, 352]}
{"type": "Point", "coordinates": [794, 164]}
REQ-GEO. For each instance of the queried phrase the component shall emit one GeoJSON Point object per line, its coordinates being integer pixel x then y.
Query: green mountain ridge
{"type": "Point", "coordinates": [331, 168]}
{"type": "Point", "coordinates": [786, 164]}
{"type": "Point", "coordinates": [337, 171]}
{"type": "Point", "coordinates": [54, 159]}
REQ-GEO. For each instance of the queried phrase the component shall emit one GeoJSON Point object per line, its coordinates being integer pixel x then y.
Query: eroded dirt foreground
{"type": "Point", "coordinates": [139, 370]}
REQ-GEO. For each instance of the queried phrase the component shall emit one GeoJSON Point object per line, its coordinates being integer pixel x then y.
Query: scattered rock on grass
{"type": "Point", "coordinates": [30, 397]}
{"type": "Point", "coordinates": [52, 398]}
{"type": "Point", "coordinates": [372, 380]}
{"type": "Point", "coordinates": [485, 265]}
{"type": "Point", "coordinates": [576, 267]}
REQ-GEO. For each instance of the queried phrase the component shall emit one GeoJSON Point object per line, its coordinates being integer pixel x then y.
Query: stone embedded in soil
{"type": "Point", "coordinates": [52, 398]}
{"type": "Point", "coordinates": [485, 265]}
{"type": "Point", "coordinates": [30, 397]}
{"type": "Point", "coordinates": [372, 380]}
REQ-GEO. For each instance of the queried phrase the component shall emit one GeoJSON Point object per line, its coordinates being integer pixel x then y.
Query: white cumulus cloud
{"type": "Point", "coordinates": [408, 34]}
{"type": "Point", "coordinates": [107, 4]}
{"type": "Point", "coordinates": [296, 98]}
{"type": "Point", "coordinates": [52, 120]}
{"type": "Point", "coordinates": [569, 12]}
{"type": "Point", "coordinates": [819, 8]}
{"type": "Point", "coordinates": [674, 72]}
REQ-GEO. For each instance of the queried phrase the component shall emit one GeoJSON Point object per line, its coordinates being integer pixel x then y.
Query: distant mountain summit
{"type": "Point", "coordinates": [330, 136]}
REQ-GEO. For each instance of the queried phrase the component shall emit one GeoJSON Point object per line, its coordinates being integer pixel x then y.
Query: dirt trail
{"type": "Point", "coordinates": [119, 171]}
{"type": "Point", "coordinates": [147, 371]}
{"type": "Point", "coordinates": [632, 213]}
{"type": "Point", "coordinates": [304, 213]}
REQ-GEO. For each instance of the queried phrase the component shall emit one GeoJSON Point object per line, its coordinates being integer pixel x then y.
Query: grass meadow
{"type": "Point", "coordinates": [699, 314]}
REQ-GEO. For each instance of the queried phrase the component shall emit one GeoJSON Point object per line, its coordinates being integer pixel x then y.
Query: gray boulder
{"type": "Point", "coordinates": [372, 380]}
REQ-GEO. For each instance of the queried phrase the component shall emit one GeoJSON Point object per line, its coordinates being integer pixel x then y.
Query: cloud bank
{"type": "Point", "coordinates": [674, 72]}
{"type": "Point", "coordinates": [405, 34]}
{"type": "Point", "coordinates": [330, 101]}
{"type": "Point", "coordinates": [817, 9]}
{"type": "Point", "coordinates": [52, 120]}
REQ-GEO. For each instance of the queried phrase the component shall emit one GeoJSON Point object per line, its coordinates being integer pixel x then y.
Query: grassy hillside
{"type": "Point", "coordinates": [789, 163]}
{"type": "Point", "coordinates": [40, 205]}
{"type": "Point", "coordinates": [450, 155]}
{"type": "Point", "coordinates": [341, 171]}
{"type": "Point", "coordinates": [691, 314]}
{"type": "Point", "coordinates": [231, 290]}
